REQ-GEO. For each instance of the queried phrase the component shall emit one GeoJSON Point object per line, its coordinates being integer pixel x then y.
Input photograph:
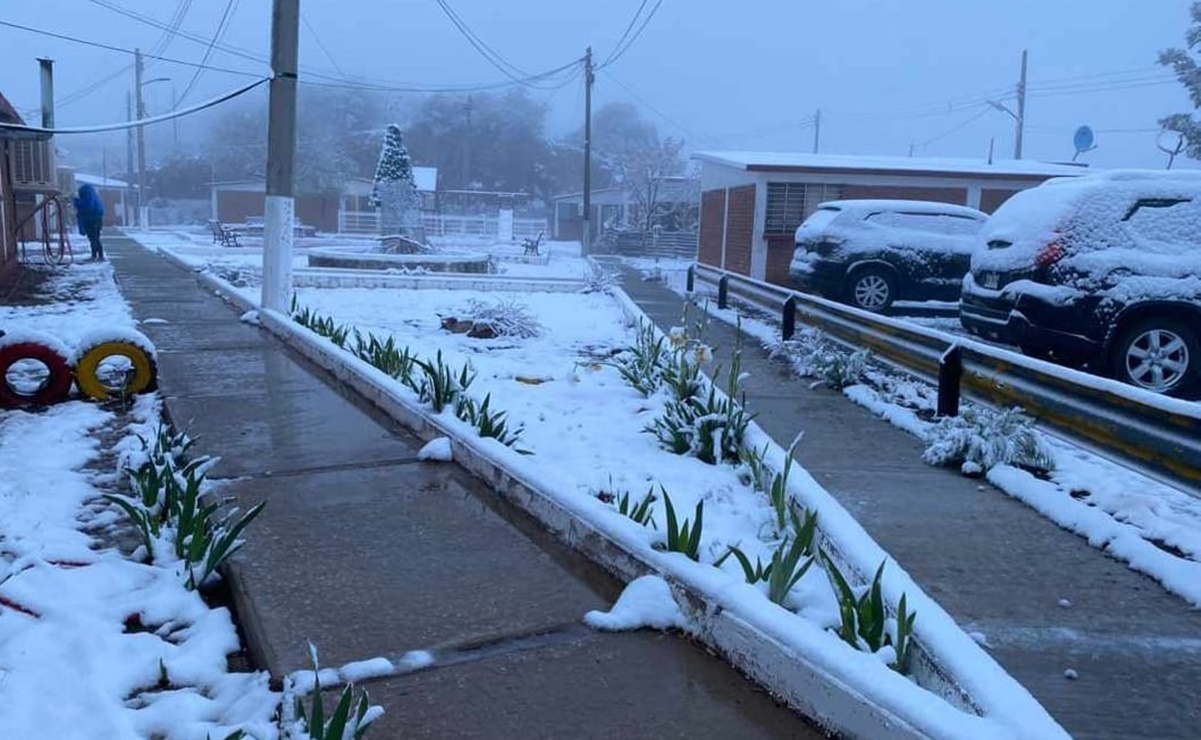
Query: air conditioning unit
{"type": "Point", "coordinates": [33, 165]}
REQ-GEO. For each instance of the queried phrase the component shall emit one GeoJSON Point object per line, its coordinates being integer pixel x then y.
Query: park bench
{"type": "Point", "coordinates": [531, 245]}
{"type": "Point", "coordinates": [223, 235]}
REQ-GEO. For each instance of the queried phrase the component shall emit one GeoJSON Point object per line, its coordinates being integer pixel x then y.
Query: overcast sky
{"type": "Point", "coordinates": [887, 74]}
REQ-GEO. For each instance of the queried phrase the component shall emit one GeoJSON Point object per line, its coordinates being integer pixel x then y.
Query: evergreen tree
{"type": "Point", "coordinates": [1189, 73]}
{"type": "Point", "coordinates": [395, 190]}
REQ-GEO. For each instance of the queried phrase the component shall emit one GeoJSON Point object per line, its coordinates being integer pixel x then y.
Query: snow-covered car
{"type": "Point", "coordinates": [1101, 271]}
{"type": "Point", "coordinates": [870, 253]}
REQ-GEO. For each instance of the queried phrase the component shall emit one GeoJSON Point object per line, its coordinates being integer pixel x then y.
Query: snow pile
{"type": "Point", "coordinates": [499, 318]}
{"type": "Point", "coordinates": [105, 334]}
{"type": "Point", "coordinates": [437, 450]}
{"type": "Point", "coordinates": [250, 317]}
{"type": "Point", "coordinates": [645, 602]}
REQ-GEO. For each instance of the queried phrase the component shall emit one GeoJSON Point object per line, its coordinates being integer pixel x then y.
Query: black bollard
{"type": "Point", "coordinates": [950, 371]}
{"type": "Point", "coordinates": [788, 325]}
{"type": "Point", "coordinates": [723, 291]}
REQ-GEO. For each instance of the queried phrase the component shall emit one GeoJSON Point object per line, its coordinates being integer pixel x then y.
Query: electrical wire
{"type": "Point", "coordinates": [626, 34]}
{"type": "Point", "coordinates": [633, 93]}
{"type": "Point", "coordinates": [956, 129]}
{"type": "Point", "coordinates": [124, 125]}
{"type": "Point", "coordinates": [573, 68]}
{"type": "Point", "coordinates": [487, 52]}
{"type": "Point", "coordinates": [620, 52]}
{"type": "Point", "coordinates": [321, 45]}
{"type": "Point", "coordinates": [222, 27]}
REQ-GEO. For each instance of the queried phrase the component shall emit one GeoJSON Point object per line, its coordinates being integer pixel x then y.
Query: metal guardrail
{"type": "Point", "coordinates": [1157, 435]}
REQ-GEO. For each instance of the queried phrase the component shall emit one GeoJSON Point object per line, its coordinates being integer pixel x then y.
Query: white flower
{"type": "Point", "coordinates": [678, 337]}
{"type": "Point", "coordinates": [703, 354]}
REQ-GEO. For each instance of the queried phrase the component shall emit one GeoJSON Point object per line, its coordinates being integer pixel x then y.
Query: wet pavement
{"type": "Point", "coordinates": [995, 564]}
{"type": "Point", "coordinates": [367, 552]}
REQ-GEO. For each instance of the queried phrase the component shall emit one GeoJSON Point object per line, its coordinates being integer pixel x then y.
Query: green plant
{"type": "Point", "coordinates": [318, 324]}
{"type": "Point", "coordinates": [863, 618]}
{"type": "Point", "coordinates": [786, 566]}
{"type": "Point", "coordinates": [709, 428]}
{"type": "Point", "coordinates": [980, 439]}
{"type": "Point", "coordinates": [235, 735]}
{"type": "Point", "coordinates": [440, 387]}
{"type": "Point", "coordinates": [641, 365]}
{"type": "Point", "coordinates": [488, 422]}
{"type": "Point", "coordinates": [684, 537]}
{"type": "Point", "coordinates": [348, 720]}
{"type": "Point", "coordinates": [642, 512]}
{"type": "Point", "coordinates": [385, 356]}
{"type": "Point", "coordinates": [754, 573]}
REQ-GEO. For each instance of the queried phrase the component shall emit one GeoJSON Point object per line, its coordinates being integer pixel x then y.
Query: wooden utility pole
{"type": "Point", "coordinates": [139, 114]}
{"type": "Point", "coordinates": [281, 156]}
{"type": "Point", "coordinates": [817, 130]}
{"type": "Point", "coordinates": [1021, 116]}
{"type": "Point", "coordinates": [128, 216]}
{"type": "Point", "coordinates": [589, 78]}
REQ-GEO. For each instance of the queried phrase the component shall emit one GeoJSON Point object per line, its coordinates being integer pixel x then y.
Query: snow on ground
{"type": "Point", "coordinates": [92, 643]}
{"type": "Point", "coordinates": [645, 602]}
{"type": "Point", "coordinates": [1153, 527]}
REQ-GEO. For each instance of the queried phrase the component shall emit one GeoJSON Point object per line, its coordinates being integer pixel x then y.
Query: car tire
{"type": "Point", "coordinates": [872, 289]}
{"type": "Point", "coordinates": [1159, 354]}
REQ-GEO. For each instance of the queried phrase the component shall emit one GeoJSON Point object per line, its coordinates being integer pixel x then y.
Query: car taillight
{"type": "Point", "coordinates": [1049, 255]}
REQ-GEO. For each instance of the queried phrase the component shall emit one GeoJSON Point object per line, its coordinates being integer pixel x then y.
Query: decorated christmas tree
{"type": "Point", "coordinates": [395, 190]}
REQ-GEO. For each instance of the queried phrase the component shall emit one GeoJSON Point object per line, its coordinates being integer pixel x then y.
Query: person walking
{"type": "Point", "coordinates": [89, 211]}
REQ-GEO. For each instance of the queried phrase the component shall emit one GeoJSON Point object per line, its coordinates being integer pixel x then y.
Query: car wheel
{"type": "Point", "coordinates": [1162, 355]}
{"type": "Point", "coordinates": [872, 289]}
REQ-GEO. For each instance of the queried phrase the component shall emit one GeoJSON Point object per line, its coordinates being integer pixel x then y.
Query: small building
{"type": "Point", "coordinates": [614, 206]}
{"type": "Point", "coordinates": [355, 213]}
{"type": "Point", "coordinates": [27, 177]}
{"type": "Point", "coordinates": [752, 202]}
{"type": "Point", "coordinates": [111, 191]}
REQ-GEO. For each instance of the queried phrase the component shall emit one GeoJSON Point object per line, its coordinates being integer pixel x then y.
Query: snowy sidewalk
{"type": "Point", "coordinates": [368, 553]}
{"type": "Point", "coordinates": [1044, 600]}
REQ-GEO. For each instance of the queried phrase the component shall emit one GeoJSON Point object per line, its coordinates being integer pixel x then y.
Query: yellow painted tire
{"type": "Point", "coordinates": [87, 377]}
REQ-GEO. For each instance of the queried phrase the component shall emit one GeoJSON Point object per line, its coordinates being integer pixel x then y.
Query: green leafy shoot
{"type": "Point", "coordinates": [684, 537]}
{"type": "Point", "coordinates": [641, 512]}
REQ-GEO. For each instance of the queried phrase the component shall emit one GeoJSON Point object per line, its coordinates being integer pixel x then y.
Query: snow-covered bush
{"type": "Point", "coordinates": [815, 356]}
{"type": "Point", "coordinates": [981, 439]}
{"type": "Point", "coordinates": [505, 318]}
{"type": "Point", "coordinates": [599, 280]}
{"type": "Point", "coordinates": [643, 363]}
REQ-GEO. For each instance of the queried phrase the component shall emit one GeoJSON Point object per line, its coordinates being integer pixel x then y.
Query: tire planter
{"type": "Point", "coordinates": [44, 349]}
{"type": "Point", "coordinates": [97, 349]}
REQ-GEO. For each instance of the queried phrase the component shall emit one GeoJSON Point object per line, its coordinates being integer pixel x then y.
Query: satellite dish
{"type": "Point", "coordinates": [1084, 141]}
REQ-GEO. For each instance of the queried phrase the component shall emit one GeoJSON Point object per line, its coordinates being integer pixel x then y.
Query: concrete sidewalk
{"type": "Point", "coordinates": [995, 564]}
{"type": "Point", "coordinates": [368, 552]}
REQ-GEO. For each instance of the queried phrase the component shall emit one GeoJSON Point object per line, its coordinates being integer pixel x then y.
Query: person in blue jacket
{"type": "Point", "coordinates": [89, 211]}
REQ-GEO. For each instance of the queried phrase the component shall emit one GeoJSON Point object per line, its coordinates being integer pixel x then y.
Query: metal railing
{"type": "Point", "coordinates": [437, 224]}
{"type": "Point", "coordinates": [1159, 436]}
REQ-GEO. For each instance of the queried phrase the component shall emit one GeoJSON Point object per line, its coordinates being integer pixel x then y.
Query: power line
{"type": "Point", "coordinates": [620, 52]}
{"type": "Point", "coordinates": [625, 34]}
{"type": "Point", "coordinates": [123, 50]}
{"type": "Point", "coordinates": [124, 125]}
{"type": "Point", "coordinates": [222, 27]}
{"type": "Point", "coordinates": [962, 125]}
{"type": "Point", "coordinates": [350, 84]}
{"type": "Point", "coordinates": [232, 50]}
{"type": "Point", "coordinates": [487, 52]}
{"type": "Point", "coordinates": [320, 44]}
{"type": "Point", "coordinates": [652, 108]}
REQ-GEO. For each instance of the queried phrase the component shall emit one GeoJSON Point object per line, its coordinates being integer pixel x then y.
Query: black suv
{"type": "Point", "coordinates": [869, 253]}
{"type": "Point", "coordinates": [1101, 271]}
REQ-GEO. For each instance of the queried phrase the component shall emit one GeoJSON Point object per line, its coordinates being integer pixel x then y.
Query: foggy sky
{"type": "Point", "coordinates": [722, 75]}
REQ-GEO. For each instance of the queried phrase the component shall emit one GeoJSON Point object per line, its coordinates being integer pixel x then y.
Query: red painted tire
{"type": "Point", "coordinates": [55, 388]}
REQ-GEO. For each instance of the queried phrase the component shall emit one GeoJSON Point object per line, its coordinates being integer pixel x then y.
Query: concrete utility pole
{"type": "Point", "coordinates": [281, 156]}
{"type": "Point", "coordinates": [129, 195]}
{"type": "Point", "coordinates": [589, 78]}
{"type": "Point", "coordinates": [174, 122]}
{"type": "Point", "coordinates": [817, 130]}
{"type": "Point", "coordinates": [1021, 122]}
{"type": "Point", "coordinates": [140, 110]}
{"type": "Point", "coordinates": [467, 146]}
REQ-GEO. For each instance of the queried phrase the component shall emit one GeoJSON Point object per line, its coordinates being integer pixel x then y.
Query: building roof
{"type": "Point", "coordinates": [97, 181]}
{"type": "Point", "coordinates": [802, 162]}
{"type": "Point", "coordinates": [8, 114]}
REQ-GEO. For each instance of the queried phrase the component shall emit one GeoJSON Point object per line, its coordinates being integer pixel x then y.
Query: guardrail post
{"type": "Point", "coordinates": [691, 285]}
{"type": "Point", "coordinates": [723, 291]}
{"type": "Point", "coordinates": [950, 370]}
{"type": "Point", "coordinates": [788, 325]}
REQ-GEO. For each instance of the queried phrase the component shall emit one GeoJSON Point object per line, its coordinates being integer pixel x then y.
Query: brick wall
{"type": "Point", "coordinates": [991, 200]}
{"type": "Point", "coordinates": [740, 226]}
{"type": "Point", "coordinates": [780, 249]}
{"type": "Point", "coordinates": [956, 196]}
{"type": "Point", "coordinates": [713, 215]}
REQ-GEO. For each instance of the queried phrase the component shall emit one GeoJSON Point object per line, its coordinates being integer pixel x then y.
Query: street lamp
{"type": "Point", "coordinates": [1018, 125]}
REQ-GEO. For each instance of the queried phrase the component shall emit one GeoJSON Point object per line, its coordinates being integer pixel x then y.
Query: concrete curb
{"type": "Point", "coordinates": [837, 697]}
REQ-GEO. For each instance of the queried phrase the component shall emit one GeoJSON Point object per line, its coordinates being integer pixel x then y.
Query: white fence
{"type": "Point", "coordinates": [437, 224]}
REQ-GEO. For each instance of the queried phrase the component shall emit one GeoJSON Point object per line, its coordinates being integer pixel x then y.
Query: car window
{"type": "Point", "coordinates": [1164, 221]}
{"type": "Point", "coordinates": [931, 223]}
{"type": "Point", "coordinates": [822, 217]}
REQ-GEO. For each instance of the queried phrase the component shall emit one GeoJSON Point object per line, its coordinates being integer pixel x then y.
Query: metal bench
{"type": "Point", "coordinates": [223, 235]}
{"type": "Point", "coordinates": [531, 245]}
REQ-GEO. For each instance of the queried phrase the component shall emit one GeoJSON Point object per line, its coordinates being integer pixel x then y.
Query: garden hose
{"type": "Point", "coordinates": [142, 378]}
{"type": "Point", "coordinates": [55, 387]}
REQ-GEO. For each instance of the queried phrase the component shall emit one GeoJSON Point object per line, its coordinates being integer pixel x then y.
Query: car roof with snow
{"type": "Point", "coordinates": [906, 206]}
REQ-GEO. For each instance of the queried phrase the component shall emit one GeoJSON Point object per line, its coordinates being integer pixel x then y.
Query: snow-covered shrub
{"type": "Point", "coordinates": [599, 280]}
{"type": "Point", "coordinates": [642, 364]}
{"type": "Point", "coordinates": [814, 355]}
{"type": "Point", "coordinates": [981, 439]}
{"type": "Point", "coordinates": [706, 427]}
{"type": "Point", "coordinates": [505, 318]}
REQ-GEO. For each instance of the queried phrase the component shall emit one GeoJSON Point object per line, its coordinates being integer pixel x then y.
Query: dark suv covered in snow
{"type": "Point", "coordinates": [1101, 271]}
{"type": "Point", "coordinates": [870, 253]}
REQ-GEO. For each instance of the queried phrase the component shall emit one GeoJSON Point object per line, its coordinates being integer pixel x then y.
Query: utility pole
{"type": "Point", "coordinates": [129, 198]}
{"type": "Point", "coordinates": [174, 122]}
{"type": "Point", "coordinates": [140, 109]}
{"type": "Point", "coordinates": [817, 130]}
{"type": "Point", "coordinates": [467, 147]}
{"type": "Point", "coordinates": [1021, 117]}
{"type": "Point", "coordinates": [281, 156]}
{"type": "Point", "coordinates": [589, 78]}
